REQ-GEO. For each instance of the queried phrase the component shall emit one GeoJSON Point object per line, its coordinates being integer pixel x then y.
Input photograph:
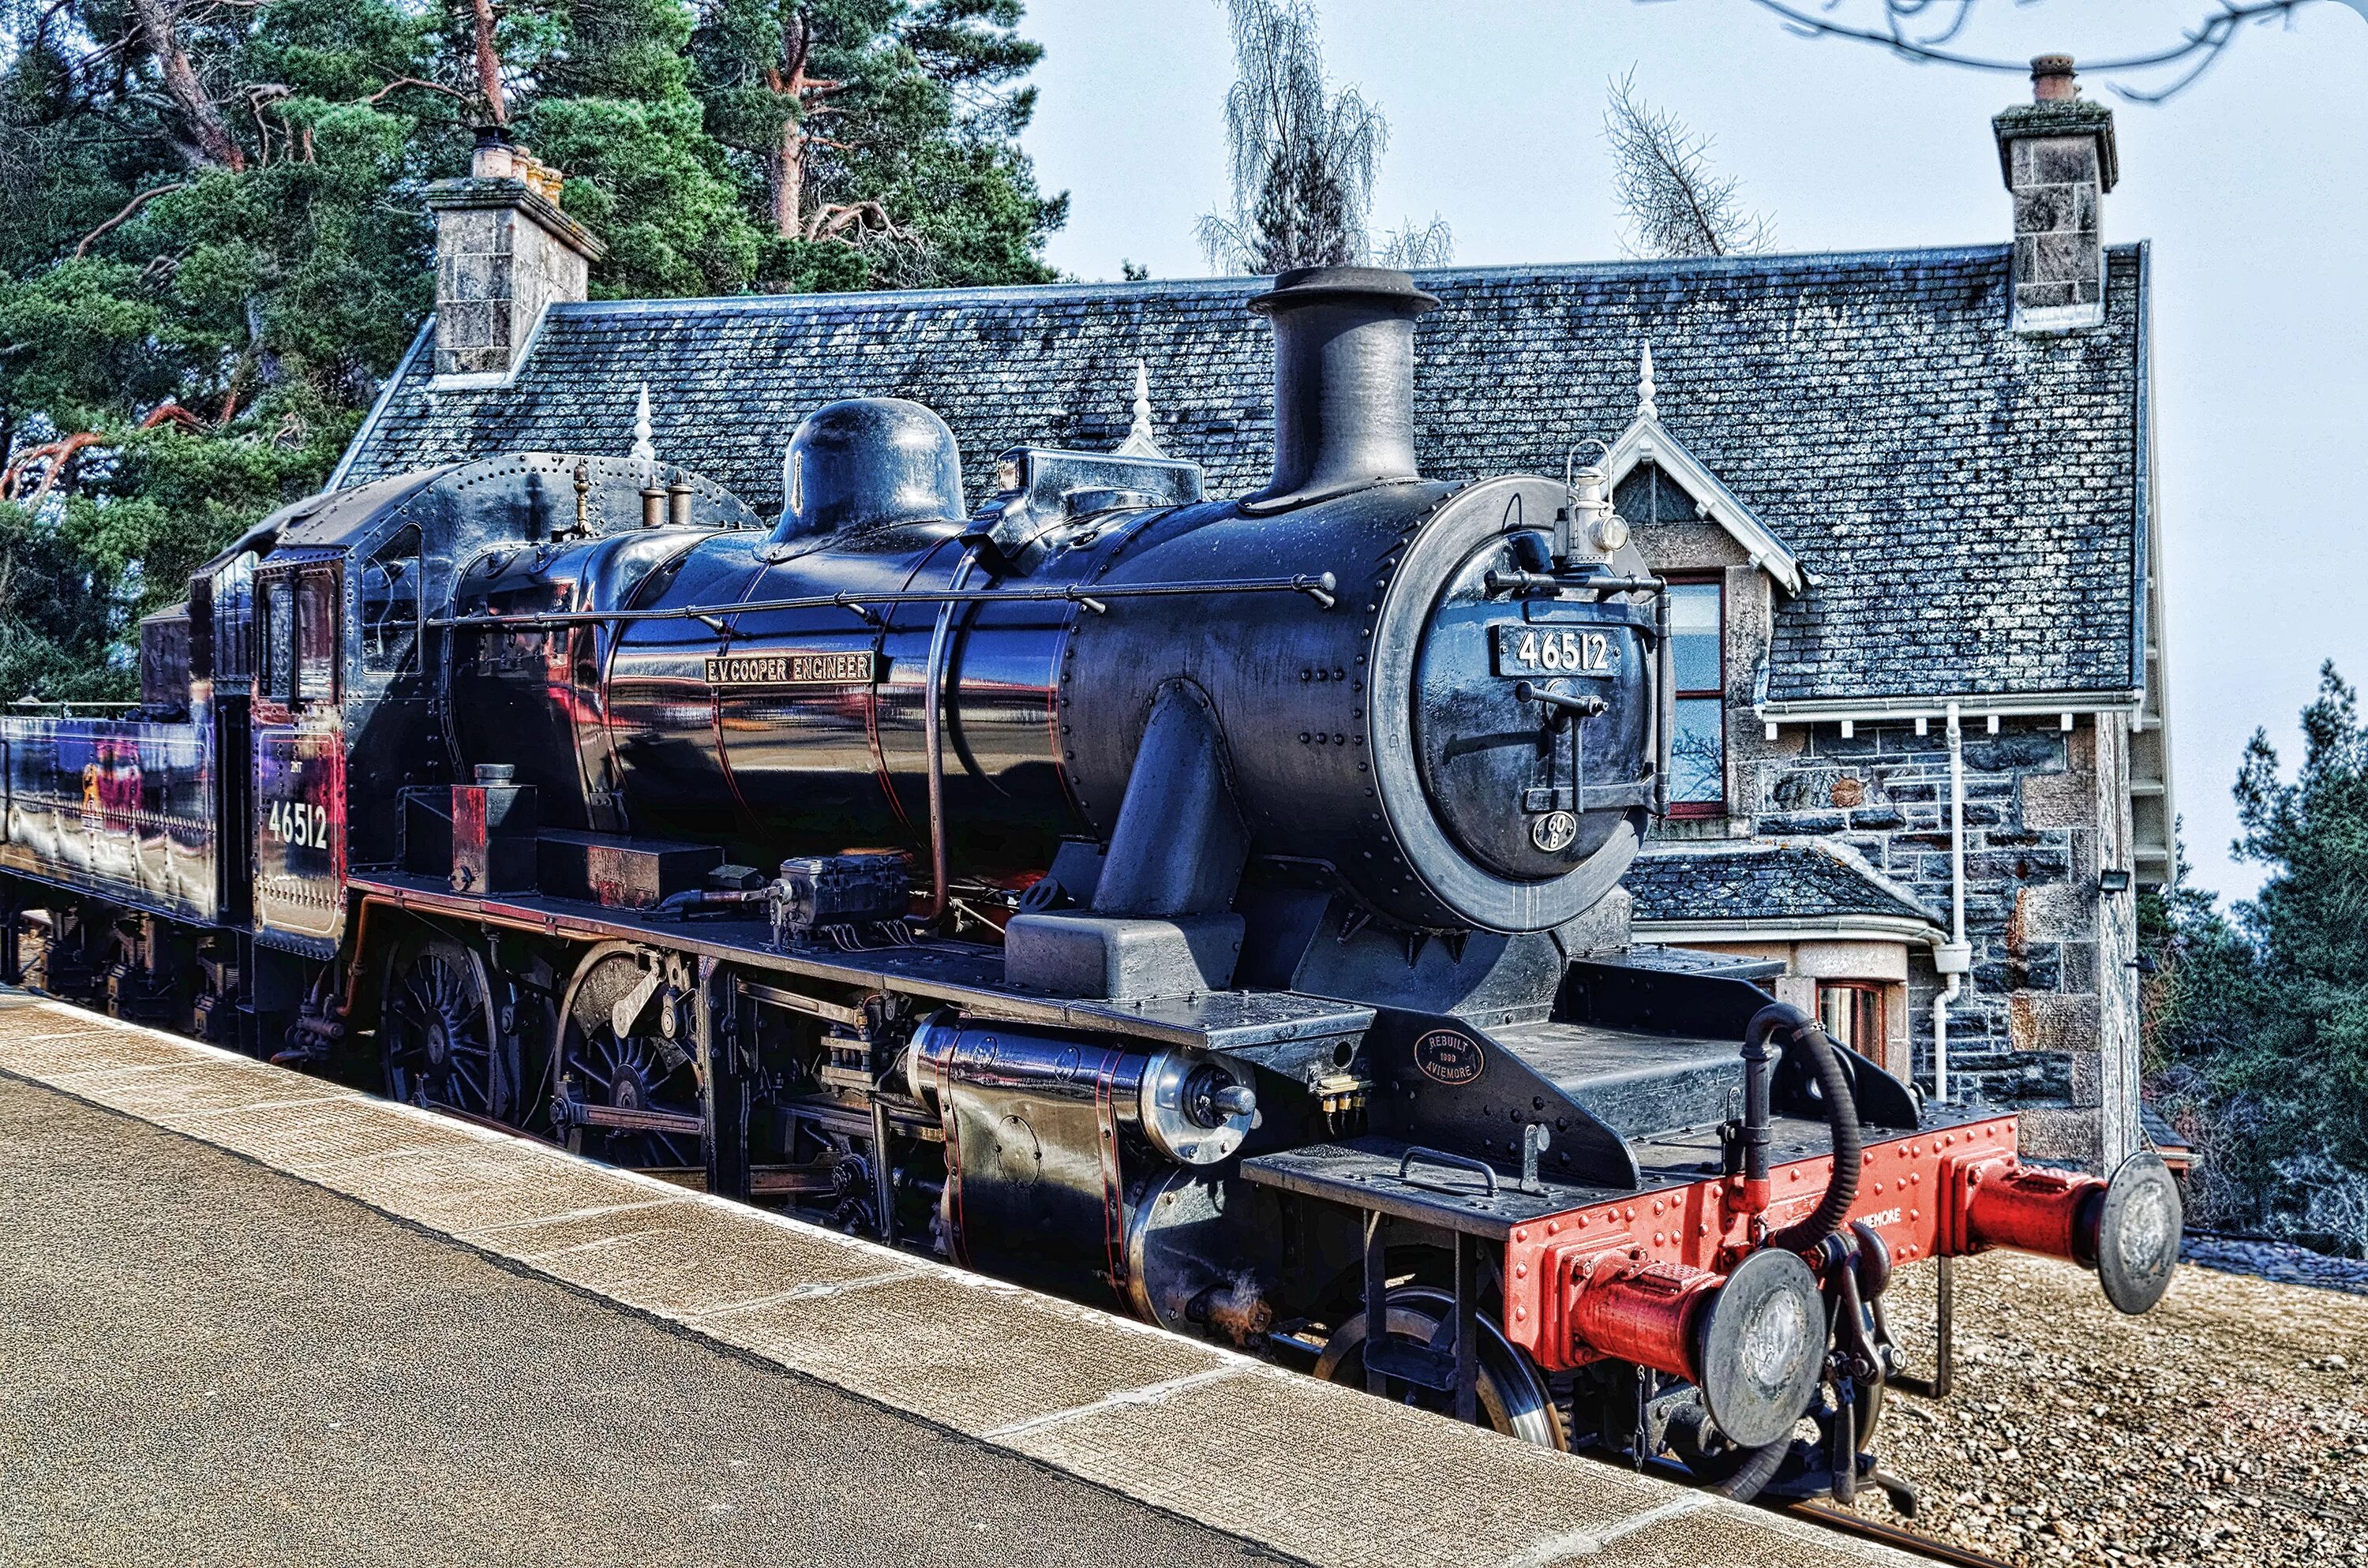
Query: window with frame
{"type": "Point", "coordinates": [274, 617]}
{"type": "Point", "coordinates": [1698, 662]}
{"type": "Point", "coordinates": [298, 615]}
{"type": "Point", "coordinates": [316, 634]}
{"type": "Point", "coordinates": [1850, 1012]}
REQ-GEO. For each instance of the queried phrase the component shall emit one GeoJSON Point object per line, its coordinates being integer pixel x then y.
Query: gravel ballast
{"type": "Point", "coordinates": [2228, 1425]}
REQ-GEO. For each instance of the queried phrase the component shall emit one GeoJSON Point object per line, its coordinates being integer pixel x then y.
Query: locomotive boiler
{"type": "Point", "coordinates": [1196, 907]}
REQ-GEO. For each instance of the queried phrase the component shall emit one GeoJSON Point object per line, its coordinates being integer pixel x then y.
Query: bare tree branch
{"type": "Point", "coordinates": [1413, 245]}
{"type": "Point", "coordinates": [372, 101]}
{"type": "Point", "coordinates": [1675, 205]}
{"type": "Point", "coordinates": [2199, 47]}
{"type": "Point", "coordinates": [854, 222]}
{"type": "Point", "coordinates": [1304, 158]}
{"type": "Point", "coordinates": [159, 25]}
{"type": "Point", "coordinates": [130, 206]}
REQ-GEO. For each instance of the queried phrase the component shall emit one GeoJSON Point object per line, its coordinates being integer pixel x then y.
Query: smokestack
{"type": "Point", "coordinates": [1343, 380]}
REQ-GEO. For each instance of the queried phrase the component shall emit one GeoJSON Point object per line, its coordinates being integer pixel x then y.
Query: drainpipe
{"type": "Point", "coordinates": [1953, 957]}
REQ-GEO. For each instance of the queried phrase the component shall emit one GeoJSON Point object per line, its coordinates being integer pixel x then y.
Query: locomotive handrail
{"type": "Point", "coordinates": [1550, 585]}
{"type": "Point", "coordinates": [1441, 1157]}
{"type": "Point", "coordinates": [1323, 587]}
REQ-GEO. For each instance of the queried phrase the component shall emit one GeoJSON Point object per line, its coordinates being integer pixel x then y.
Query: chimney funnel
{"type": "Point", "coordinates": [1343, 380]}
{"type": "Point", "coordinates": [2052, 80]}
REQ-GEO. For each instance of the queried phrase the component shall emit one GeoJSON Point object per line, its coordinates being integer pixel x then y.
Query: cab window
{"type": "Point", "coordinates": [275, 600]}
{"type": "Point", "coordinates": [299, 618]}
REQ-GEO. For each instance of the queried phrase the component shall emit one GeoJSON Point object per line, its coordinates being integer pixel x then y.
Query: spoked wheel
{"type": "Point", "coordinates": [441, 1037]}
{"type": "Point", "coordinates": [1513, 1399]}
{"type": "Point", "coordinates": [630, 1099]}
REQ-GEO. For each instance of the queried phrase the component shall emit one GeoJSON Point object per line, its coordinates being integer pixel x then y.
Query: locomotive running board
{"type": "Point", "coordinates": [961, 975]}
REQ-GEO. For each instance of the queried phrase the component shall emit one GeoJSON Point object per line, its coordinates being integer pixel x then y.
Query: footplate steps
{"type": "Point", "coordinates": [1298, 1468]}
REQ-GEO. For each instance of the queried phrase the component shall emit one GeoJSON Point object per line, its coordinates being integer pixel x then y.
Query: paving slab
{"type": "Point", "coordinates": [409, 1338]}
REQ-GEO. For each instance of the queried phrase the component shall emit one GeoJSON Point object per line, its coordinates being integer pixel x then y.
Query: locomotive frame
{"type": "Point", "coordinates": [1259, 982]}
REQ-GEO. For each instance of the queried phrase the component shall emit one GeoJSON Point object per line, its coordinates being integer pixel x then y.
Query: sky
{"type": "Point", "coordinates": [2252, 184]}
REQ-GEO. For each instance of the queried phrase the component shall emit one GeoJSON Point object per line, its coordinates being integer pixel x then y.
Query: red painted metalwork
{"type": "Point", "coordinates": [2007, 1205]}
{"type": "Point", "coordinates": [1625, 1280]}
{"type": "Point", "coordinates": [1640, 1311]}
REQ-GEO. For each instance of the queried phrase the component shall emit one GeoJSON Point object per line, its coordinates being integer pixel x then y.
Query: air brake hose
{"type": "Point", "coordinates": [1800, 1033]}
{"type": "Point", "coordinates": [1757, 1472]}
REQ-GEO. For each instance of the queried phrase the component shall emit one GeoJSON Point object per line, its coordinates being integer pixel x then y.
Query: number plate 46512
{"type": "Point", "coordinates": [1524, 649]}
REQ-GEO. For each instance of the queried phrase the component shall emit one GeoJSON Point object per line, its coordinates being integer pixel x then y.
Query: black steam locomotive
{"type": "Point", "coordinates": [1191, 907]}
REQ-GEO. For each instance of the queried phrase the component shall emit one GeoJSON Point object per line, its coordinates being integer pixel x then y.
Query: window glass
{"type": "Point", "coordinates": [276, 612]}
{"type": "Point", "coordinates": [1853, 1017]}
{"type": "Point", "coordinates": [1698, 742]}
{"type": "Point", "coordinates": [390, 607]}
{"type": "Point", "coordinates": [1698, 753]}
{"type": "Point", "coordinates": [1693, 635]}
{"type": "Point", "coordinates": [316, 636]}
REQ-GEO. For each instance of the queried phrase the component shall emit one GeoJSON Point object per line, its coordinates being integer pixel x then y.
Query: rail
{"type": "Point", "coordinates": [1826, 1515]}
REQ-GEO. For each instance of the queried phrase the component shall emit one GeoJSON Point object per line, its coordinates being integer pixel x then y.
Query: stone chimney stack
{"type": "Point", "coordinates": [2057, 154]}
{"type": "Point", "coordinates": [504, 250]}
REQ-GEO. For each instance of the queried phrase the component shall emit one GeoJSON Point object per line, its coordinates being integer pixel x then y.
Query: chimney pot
{"type": "Point", "coordinates": [2052, 80]}
{"type": "Point", "coordinates": [495, 155]}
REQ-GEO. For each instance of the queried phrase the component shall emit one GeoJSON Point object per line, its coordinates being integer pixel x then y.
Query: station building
{"type": "Point", "coordinates": [1904, 499]}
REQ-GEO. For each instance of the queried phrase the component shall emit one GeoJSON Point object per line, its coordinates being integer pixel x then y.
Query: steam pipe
{"type": "Point", "coordinates": [1951, 961]}
{"type": "Point", "coordinates": [933, 731]}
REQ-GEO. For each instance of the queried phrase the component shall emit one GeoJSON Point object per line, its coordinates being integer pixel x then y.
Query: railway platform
{"type": "Point", "coordinates": [248, 1316]}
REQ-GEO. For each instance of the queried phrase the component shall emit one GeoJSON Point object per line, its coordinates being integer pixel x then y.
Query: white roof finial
{"type": "Point", "coordinates": [644, 450]}
{"type": "Point", "coordinates": [1646, 408]}
{"type": "Point", "coordinates": [1140, 441]}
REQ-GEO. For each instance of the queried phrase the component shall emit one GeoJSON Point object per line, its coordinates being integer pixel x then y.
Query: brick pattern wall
{"type": "Point", "coordinates": [496, 270]}
{"type": "Point", "coordinates": [2059, 256]}
{"type": "Point", "coordinates": [2042, 1026]}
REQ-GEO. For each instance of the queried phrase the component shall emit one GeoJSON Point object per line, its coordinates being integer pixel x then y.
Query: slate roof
{"type": "Point", "coordinates": [1968, 502]}
{"type": "Point", "coordinates": [1777, 880]}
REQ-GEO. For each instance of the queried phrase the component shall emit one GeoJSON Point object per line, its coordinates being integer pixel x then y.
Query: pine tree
{"type": "Point", "coordinates": [2261, 1026]}
{"type": "Point", "coordinates": [881, 138]}
{"type": "Point", "coordinates": [212, 247]}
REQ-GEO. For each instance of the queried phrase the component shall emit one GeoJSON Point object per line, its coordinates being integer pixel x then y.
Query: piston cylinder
{"type": "Point", "coordinates": [1041, 1135]}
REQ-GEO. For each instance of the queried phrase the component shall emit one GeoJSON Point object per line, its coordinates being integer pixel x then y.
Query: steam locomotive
{"type": "Point", "coordinates": [1195, 907]}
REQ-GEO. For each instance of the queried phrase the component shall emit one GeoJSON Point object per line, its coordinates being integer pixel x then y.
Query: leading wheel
{"type": "Point", "coordinates": [1513, 1399]}
{"type": "Point", "coordinates": [441, 1037]}
{"type": "Point", "coordinates": [630, 1098]}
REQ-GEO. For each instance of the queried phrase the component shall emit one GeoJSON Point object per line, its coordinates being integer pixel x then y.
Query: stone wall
{"type": "Point", "coordinates": [502, 255]}
{"type": "Point", "coordinates": [2036, 1028]}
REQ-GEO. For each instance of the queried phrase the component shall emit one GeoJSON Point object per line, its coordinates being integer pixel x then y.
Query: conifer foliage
{"type": "Point", "coordinates": [2258, 1026]}
{"type": "Point", "coordinates": [214, 245]}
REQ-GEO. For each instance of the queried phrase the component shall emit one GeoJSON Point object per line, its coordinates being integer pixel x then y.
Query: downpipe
{"type": "Point", "coordinates": [1953, 957]}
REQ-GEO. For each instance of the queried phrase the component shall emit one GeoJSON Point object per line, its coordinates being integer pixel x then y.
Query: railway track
{"type": "Point", "coordinates": [1827, 1516]}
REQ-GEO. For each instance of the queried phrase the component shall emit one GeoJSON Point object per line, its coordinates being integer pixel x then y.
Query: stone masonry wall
{"type": "Point", "coordinates": [2027, 1030]}
{"type": "Point", "coordinates": [496, 270]}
